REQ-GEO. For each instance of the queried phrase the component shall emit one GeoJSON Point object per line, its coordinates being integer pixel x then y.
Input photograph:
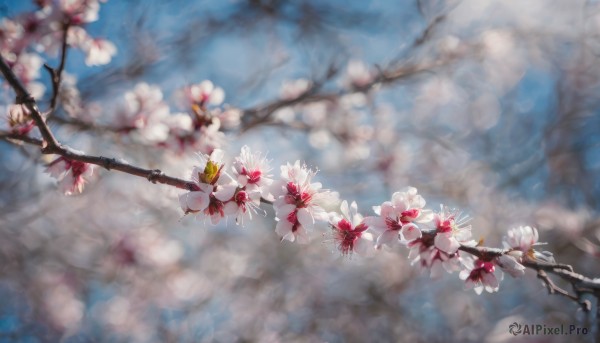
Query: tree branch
{"type": "Point", "coordinates": [51, 146]}
{"type": "Point", "coordinates": [262, 114]}
{"type": "Point", "coordinates": [580, 283]}
{"type": "Point", "coordinates": [56, 74]}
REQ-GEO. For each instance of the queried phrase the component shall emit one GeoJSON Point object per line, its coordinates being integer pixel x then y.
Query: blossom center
{"type": "Point", "coordinates": [392, 224]}
{"type": "Point", "coordinates": [253, 176]}
{"type": "Point", "coordinates": [481, 267]}
{"type": "Point", "coordinates": [409, 215]}
{"type": "Point", "coordinates": [301, 199]}
{"type": "Point", "coordinates": [346, 236]}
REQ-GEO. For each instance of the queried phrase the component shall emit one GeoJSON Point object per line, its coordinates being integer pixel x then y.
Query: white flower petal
{"type": "Point", "coordinates": [446, 242]}
{"type": "Point", "coordinates": [490, 280]}
{"type": "Point", "coordinates": [197, 201]}
{"type": "Point", "coordinates": [389, 237]}
{"type": "Point", "coordinates": [511, 266]}
{"type": "Point", "coordinates": [437, 269]}
{"type": "Point", "coordinates": [363, 247]}
{"type": "Point", "coordinates": [284, 210]}
{"type": "Point", "coordinates": [302, 236]}
{"type": "Point", "coordinates": [217, 96]}
{"type": "Point", "coordinates": [305, 218]}
{"type": "Point", "coordinates": [344, 209]}
{"type": "Point", "coordinates": [230, 208]}
{"type": "Point", "coordinates": [410, 232]}
{"type": "Point", "coordinates": [225, 192]}
{"type": "Point", "coordinates": [284, 228]}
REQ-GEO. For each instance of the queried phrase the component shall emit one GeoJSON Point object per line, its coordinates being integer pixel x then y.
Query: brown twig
{"type": "Point", "coordinates": [49, 144]}
{"type": "Point", "coordinates": [85, 125]}
{"type": "Point", "coordinates": [552, 287]}
{"type": "Point", "coordinates": [11, 136]}
{"type": "Point", "coordinates": [262, 114]}
{"type": "Point", "coordinates": [153, 175]}
{"type": "Point", "coordinates": [581, 284]}
{"type": "Point", "coordinates": [56, 74]}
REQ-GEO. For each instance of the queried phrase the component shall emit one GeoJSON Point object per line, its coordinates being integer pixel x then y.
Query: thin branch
{"type": "Point", "coordinates": [153, 175]}
{"type": "Point", "coordinates": [85, 125]}
{"type": "Point", "coordinates": [11, 136]}
{"type": "Point", "coordinates": [262, 114]}
{"type": "Point", "coordinates": [581, 284]}
{"type": "Point", "coordinates": [23, 97]}
{"type": "Point", "coordinates": [484, 253]}
{"type": "Point", "coordinates": [552, 287]}
{"type": "Point", "coordinates": [51, 146]}
{"type": "Point", "coordinates": [56, 74]}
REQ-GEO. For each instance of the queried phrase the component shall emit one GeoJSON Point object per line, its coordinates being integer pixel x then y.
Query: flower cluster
{"type": "Point", "coordinates": [397, 219]}
{"type": "Point", "coordinates": [145, 113]}
{"type": "Point", "coordinates": [439, 251]}
{"type": "Point", "coordinates": [358, 74]}
{"type": "Point", "coordinates": [481, 274]}
{"type": "Point", "coordinates": [25, 40]}
{"type": "Point", "coordinates": [146, 116]}
{"type": "Point", "coordinates": [19, 119]}
{"type": "Point", "coordinates": [350, 231]}
{"type": "Point", "coordinates": [43, 30]}
{"type": "Point", "coordinates": [216, 194]}
{"type": "Point", "coordinates": [520, 242]}
{"type": "Point", "coordinates": [299, 203]}
{"type": "Point", "coordinates": [327, 120]}
{"type": "Point", "coordinates": [437, 241]}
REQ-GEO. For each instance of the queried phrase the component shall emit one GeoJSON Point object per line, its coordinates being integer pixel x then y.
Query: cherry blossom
{"type": "Point", "coordinates": [523, 239]}
{"type": "Point", "coordinates": [19, 120]}
{"type": "Point", "coordinates": [43, 30]}
{"type": "Point", "coordinates": [11, 32]}
{"type": "Point", "coordinates": [252, 172]}
{"type": "Point", "coordinates": [242, 205]}
{"type": "Point", "coordinates": [145, 112]}
{"type": "Point", "coordinates": [27, 66]}
{"type": "Point", "coordinates": [398, 217]}
{"type": "Point", "coordinates": [293, 89]}
{"type": "Point", "coordinates": [349, 231]}
{"type": "Point", "coordinates": [212, 188]}
{"type": "Point", "coordinates": [201, 95]}
{"type": "Point", "coordinates": [80, 11]}
{"type": "Point", "coordinates": [70, 174]}
{"type": "Point", "coordinates": [299, 203]}
{"type": "Point", "coordinates": [509, 262]}
{"type": "Point", "coordinates": [520, 242]}
{"type": "Point", "coordinates": [184, 135]}
{"type": "Point", "coordinates": [481, 274]}
{"type": "Point", "coordinates": [452, 230]}
{"type": "Point", "coordinates": [229, 117]}
{"type": "Point", "coordinates": [207, 138]}
{"type": "Point", "coordinates": [99, 51]}
{"type": "Point", "coordinates": [358, 74]}
{"type": "Point", "coordinates": [70, 97]}
{"type": "Point", "coordinates": [428, 256]}
{"type": "Point", "coordinates": [201, 130]}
